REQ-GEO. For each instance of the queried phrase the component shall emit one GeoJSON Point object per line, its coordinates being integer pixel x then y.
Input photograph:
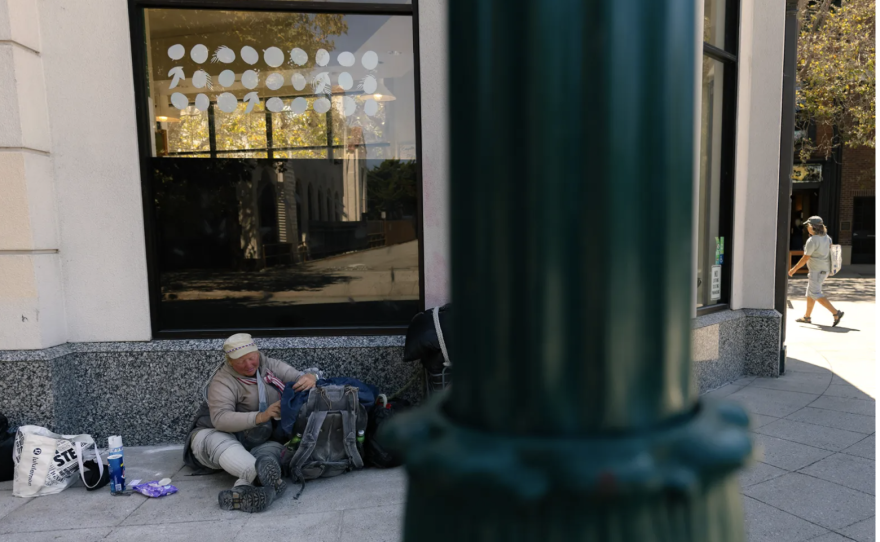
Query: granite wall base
{"type": "Point", "coordinates": [148, 392]}
{"type": "Point", "coordinates": [731, 344]}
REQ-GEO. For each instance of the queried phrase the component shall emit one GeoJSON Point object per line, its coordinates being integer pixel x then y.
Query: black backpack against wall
{"type": "Point", "coordinates": [377, 454]}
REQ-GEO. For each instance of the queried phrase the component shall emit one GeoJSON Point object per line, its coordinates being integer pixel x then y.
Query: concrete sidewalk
{"type": "Point", "coordinates": [816, 425]}
{"type": "Point", "coordinates": [815, 481]}
{"type": "Point", "coordinates": [363, 506]}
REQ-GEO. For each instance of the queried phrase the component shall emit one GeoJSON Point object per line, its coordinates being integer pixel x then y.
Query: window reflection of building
{"type": "Point", "coordinates": [296, 215]}
{"type": "Point", "coordinates": [354, 172]}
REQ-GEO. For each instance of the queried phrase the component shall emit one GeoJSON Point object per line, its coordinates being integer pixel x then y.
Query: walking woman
{"type": "Point", "coordinates": [817, 257]}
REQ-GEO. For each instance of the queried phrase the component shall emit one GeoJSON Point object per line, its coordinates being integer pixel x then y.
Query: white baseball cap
{"type": "Point", "coordinates": [240, 344]}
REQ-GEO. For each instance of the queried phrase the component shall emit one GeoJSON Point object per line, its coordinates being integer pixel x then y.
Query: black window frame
{"type": "Point", "coordinates": [144, 127]}
{"type": "Point", "coordinates": [729, 57]}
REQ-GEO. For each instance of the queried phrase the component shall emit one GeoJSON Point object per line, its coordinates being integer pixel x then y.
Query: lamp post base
{"type": "Point", "coordinates": [675, 482]}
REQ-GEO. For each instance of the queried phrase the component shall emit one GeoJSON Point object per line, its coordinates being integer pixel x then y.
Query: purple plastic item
{"type": "Point", "coordinates": [153, 489]}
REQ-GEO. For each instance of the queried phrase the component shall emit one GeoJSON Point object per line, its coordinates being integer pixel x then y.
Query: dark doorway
{"type": "Point", "coordinates": [864, 242]}
{"type": "Point", "coordinates": [804, 204]}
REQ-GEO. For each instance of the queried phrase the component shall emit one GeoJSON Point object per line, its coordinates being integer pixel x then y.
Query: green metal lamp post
{"type": "Point", "coordinates": [573, 415]}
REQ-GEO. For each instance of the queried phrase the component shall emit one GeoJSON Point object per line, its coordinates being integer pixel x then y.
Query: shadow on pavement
{"type": "Point", "coordinates": [831, 329]}
{"type": "Point", "coordinates": [836, 289]}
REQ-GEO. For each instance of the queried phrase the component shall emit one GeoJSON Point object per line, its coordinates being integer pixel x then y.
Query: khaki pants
{"type": "Point", "coordinates": [218, 450]}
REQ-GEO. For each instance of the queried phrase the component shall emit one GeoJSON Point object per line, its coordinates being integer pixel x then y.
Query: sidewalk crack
{"type": "Point", "coordinates": [794, 515]}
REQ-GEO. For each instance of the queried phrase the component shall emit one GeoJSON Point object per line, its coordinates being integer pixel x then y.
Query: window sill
{"type": "Point", "coordinates": [721, 307]}
{"type": "Point", "coordinates": [184, 334]}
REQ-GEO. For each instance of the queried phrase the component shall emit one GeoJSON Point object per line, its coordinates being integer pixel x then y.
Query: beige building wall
{"type": "Point", "coordinates": [32, 311]}
{"type": "Point", "coordinates": [759, 125]}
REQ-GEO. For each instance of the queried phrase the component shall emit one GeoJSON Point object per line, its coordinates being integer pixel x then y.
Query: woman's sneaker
{"type": "Point", "coordinates": [269, 474]}
{"type": "Point", "coordinates": [246, 498]}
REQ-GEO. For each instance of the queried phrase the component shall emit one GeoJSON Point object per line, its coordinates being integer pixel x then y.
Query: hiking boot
{"type": "Point", "coordinates": [248, 499]}
{"type": "Point", "coordinates": [269, 474]}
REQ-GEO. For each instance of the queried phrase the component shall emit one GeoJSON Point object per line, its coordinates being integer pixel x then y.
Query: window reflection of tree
{"type": "Point", "coordinates": [392, 189]}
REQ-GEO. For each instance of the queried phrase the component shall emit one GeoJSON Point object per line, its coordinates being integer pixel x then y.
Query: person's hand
{"type": "Point", "coordinates": [274, 411]}
{"type": "Point", "coordinates": [791, 272]}
{"type": "Point", "coordinates": [305, 382]}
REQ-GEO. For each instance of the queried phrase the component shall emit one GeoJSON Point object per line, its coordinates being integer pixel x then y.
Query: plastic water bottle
{"type": "Point", "coordinates": [360, 438]}
{"type": "Point", "coordinates": [117, 466]}
{"type": "Point", "coordinates": [294, 442]}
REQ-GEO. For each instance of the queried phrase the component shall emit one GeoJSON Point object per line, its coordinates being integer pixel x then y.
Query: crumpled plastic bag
{"type": "Point", "coordinates": [153, 489]}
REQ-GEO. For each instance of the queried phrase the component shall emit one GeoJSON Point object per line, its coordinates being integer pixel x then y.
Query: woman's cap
{"type": "Point", "coordinates": [815, 221]}
{"type": "Point", "coordinates": [240, 344]}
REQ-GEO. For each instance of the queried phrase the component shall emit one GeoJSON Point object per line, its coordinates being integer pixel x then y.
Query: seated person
{"type": "Point", "coordinates": [232, 429]}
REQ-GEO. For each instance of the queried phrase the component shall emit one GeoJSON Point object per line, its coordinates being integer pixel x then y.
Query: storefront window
{"type": "Point", "coordinates": [713, 22]}
{"type": "Point", "coordinates": [282, 169]}
{"type": "Point", "coordinates": [717, 125]}
{"type": "Point", "coordinates": [710, 251]}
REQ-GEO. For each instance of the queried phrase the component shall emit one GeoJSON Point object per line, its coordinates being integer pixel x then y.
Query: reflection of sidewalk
{"type": "Point", "coordinates": [816, 425]}
{"type": "Point", "coordinates": [380, 274]}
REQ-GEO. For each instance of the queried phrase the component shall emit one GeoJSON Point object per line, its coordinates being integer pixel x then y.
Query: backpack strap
{"type": "Point", "coordinates": [349, 428]}
{"type": "Point", "coordinates": [306, 447]}
{"type": "Point", "coordinates": [436, 314]}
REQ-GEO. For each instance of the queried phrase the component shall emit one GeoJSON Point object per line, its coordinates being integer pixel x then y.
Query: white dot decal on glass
{"type": "Point", "coordinates": [179, 101]}
{"type": "Point", "coordinates": [200, 79]}
{"type": "Point", "coordinates": [227, 102]}
{"type": "Point", "coordinates": [346, 59]}
{"type": "Point", "coordinates": [249, 79]}
{"type": "Point", "coordinates": [371, 107]}
{"type": "Point", "coordinates": [199, 53]}
{"type": "Point", "coordinates": [224, 54]}
{"type": "Point", "coordinates": [322, 57]}
{"type": "Point", "coordinates": [321, 83]}
{"type": "Point", "coordinates": [249, 55]}
{"type": "Point", "coordinates": [346, 81]}
{"type": "Point", "coordinates": [273, 56]}
{"type": "Point", "coordinates": [348, 106]}
{"type": "Point", "coordinates": [299, 82]}
{"type": "Point", "coordinates": [275, 105]}
{"type": "Point", "coordinates": [298, 56]}
{"type": "Point", "coordinates": [370, 60]}
{"type": "Point", "coordinates": [227, 78]}
{"type": "Point", "coordinates": [176, 52]}
{"type": "Point", "coordinates": [370, 84]}
{"type": "Point", "coordinates": [322, 105]}
{"type": "Point", "coordinates": [202, 102]}
{"type": "Point", "coordinates": [275, 81]}
{"type": "Point", "coordinates": [299, 105]}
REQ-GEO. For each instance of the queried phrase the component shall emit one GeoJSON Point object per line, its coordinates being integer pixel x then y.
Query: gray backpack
{"type": "Point", "coordinates": [329, 423]}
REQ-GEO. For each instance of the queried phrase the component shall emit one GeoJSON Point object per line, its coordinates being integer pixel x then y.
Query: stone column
{"type": "Point", "coordinates": [31, 297]}
{"type": "Point", "coordinates": [573, 415]}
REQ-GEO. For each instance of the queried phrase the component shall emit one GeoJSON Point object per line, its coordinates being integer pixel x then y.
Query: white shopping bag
{"type": "Point", "coordinates": [836, 260]}
{"type": "Point", "coordinates": [46, 462]}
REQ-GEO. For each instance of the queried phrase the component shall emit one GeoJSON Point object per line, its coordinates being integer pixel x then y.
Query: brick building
{"type": "Point", "coordinates": [857, 204]}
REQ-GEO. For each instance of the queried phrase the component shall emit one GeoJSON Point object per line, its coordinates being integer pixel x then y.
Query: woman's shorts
{"type": "Point", "coordinates": [814, 284]}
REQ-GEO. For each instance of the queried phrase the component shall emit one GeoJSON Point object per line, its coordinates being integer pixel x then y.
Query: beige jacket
{"type": "Point", "coordinates": [234, 405]}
